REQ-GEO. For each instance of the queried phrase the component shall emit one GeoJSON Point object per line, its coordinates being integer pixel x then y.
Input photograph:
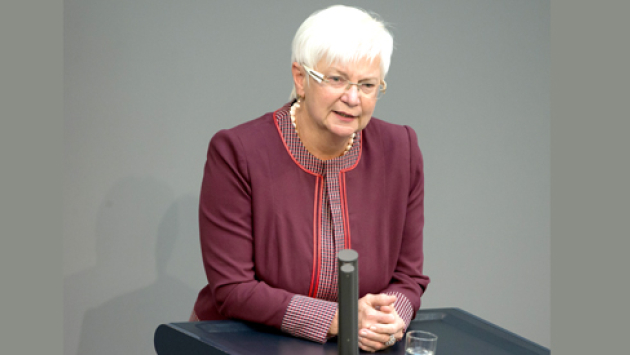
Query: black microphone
{"type": "Point", "coordinates": [348, 295]}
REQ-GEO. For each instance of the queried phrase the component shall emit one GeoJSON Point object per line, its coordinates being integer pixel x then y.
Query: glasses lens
{"type": "Point", "coordinates": [366, 89]}
{"type": "Point", "coordinates": [369, 88]}
{"type": "Point", "coordinates": [337, 82]}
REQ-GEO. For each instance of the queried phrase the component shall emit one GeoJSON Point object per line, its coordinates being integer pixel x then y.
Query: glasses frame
{"type": "Point", "coordinates": [319, 77]}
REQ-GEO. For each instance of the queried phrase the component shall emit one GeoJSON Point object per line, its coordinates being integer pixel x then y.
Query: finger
{"type": "Point", "coordinates": [366, 348]}
{"type": "Point", "coordinates": [385, 329]}
{"type": "Point", "coordinates": [370, 345]}
{"type": "Point", "coordinates": [397, 327]}
{"type": "Point", "coordinates": [381, 300]}
{"type": "Point", "coordinates": [387, 309]}
{"type": "Point", "coordinates": [370, 316]}
{"type": "Point", "coordinates": [378, 300]}
{"type": "Point", "coordinates": [374, 336]}
{"type": "Point", "coordinates": [383, 318]}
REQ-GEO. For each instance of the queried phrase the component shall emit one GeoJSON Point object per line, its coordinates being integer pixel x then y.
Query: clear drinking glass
{"type": "Point", "coordinates": [419, 342]}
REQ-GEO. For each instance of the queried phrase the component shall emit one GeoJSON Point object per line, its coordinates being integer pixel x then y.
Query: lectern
{"type": "Point", "coordinates": [459, 332]}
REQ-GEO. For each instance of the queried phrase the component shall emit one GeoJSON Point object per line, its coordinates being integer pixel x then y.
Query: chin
{"type": "Point", "coordinates": [345, 133]}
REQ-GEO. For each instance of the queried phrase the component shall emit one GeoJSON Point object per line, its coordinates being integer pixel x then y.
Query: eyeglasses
{"type": "Point", "coordinates": [369, 88]}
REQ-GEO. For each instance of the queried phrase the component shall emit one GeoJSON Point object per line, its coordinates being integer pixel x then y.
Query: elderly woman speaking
{"type": "Point", "coordinates": [282, 194]}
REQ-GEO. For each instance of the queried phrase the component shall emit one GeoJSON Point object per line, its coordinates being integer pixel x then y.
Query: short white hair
{"type": "Point", "coordinates": [342, 34]}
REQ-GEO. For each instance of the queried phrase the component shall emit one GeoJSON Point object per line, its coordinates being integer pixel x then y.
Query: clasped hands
{"type": "Point", "coordinates": [378, 321]}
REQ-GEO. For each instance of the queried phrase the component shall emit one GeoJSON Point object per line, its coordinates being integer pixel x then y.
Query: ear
{"type": "Point", "coordinates": [299, 79]}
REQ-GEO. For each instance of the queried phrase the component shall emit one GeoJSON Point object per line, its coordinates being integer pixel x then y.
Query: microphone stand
{"type": "Point", "coordinates": [348, 295]}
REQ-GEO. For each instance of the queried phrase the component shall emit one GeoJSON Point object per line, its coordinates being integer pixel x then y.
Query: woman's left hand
{"type": "Point", "coordinates": [376, 336]}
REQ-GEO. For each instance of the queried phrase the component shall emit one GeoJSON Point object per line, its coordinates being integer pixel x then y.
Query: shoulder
{"type": "Point", "coordinates": [261, 125]}
{"type": "Point", "coordinates": [249, 135]}
{"type": "Point", "coordinates": [395, 149]}
{"type": "Point", "coordinates": [390, 135]}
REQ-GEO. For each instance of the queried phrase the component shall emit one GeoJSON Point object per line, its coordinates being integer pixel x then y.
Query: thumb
{"type": "Point", "coordinates": [382, 300]}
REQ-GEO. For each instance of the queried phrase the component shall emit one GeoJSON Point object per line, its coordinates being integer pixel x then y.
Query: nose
{"type": "Point", "coordinates": [351, 95]}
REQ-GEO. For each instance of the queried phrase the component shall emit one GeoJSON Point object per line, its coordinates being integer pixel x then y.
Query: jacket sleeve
{"type": "Point", "coordinates": [227, 245]}
{"type": "Point", "coordinates": [408, 282]}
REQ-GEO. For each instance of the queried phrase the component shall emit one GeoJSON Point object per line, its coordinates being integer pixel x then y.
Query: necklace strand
{"type": "Point", "coordinates": [294, 123]}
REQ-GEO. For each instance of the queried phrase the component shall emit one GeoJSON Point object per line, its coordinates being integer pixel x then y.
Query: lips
{"type": "Point", "coordinates": [343, 114]}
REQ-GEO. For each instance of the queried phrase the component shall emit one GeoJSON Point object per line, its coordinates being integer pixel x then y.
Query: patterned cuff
{"type": "Point", "coordinates": [403, 307]}
{"type": "Point", "coordinates": [309, 318]}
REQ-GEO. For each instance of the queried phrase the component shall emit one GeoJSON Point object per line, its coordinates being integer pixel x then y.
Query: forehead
{"type": "Point", "coordinates": [363, 67]}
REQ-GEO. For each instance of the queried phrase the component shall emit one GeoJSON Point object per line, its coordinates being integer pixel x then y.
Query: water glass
{"type": "Point", "coordinates": [419, 342]}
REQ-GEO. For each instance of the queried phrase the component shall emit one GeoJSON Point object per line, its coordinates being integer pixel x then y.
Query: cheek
{"type": "Point", "coordinates": [368, 110]}
{"type": "Point", "coordinates": [365, 121]}
{"type": "Point", "coordinates": [323, 100]}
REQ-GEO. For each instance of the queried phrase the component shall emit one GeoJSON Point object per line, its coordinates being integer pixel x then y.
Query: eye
{"type": "Point", "coordinates": [369, 85]}
{"type": "Point", "coordinates": [335, 79]}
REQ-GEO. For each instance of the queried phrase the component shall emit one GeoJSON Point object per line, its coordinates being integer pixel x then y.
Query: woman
{"type": "Point", "coordinates": [282, 194]}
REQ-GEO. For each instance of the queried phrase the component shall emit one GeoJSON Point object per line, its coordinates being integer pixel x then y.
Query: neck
{"type": "Point", "coordinates": [322, 145]}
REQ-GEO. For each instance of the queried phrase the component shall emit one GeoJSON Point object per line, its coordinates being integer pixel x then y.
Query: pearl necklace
{"type": "Point", "coordinates": [297, 105]}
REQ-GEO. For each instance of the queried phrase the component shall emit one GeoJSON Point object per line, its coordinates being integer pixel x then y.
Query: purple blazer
{"type": "Point", "coordinates": [258, 220]}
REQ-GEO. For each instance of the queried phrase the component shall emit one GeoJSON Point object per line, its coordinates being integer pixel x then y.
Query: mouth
{"type": "Point", "coordinates": [344, 114]}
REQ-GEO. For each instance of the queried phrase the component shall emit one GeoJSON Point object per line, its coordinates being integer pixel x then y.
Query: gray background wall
{"type": "Point", "coordinates": [148, 82]}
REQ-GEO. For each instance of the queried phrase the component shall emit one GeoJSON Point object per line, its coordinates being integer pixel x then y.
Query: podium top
{"type": "Point", "coordinates": [458, 332]}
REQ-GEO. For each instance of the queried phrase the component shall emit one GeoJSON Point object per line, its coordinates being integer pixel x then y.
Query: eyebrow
{"type": "Point", "coordinates": [346, 74]}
